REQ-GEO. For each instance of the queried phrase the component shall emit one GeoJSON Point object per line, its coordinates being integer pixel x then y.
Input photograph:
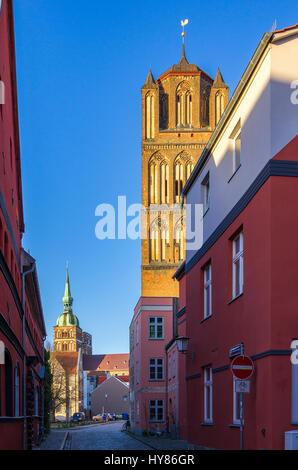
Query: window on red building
{"type": "Point", "coordinates": [156, 410]}
{"type": "Point", "coordinates": [207, 292]}
{"type": "Point", "coordinates": [208, 406]}
{"type": "Point", "coordinates": [238, 265]}
{"type": "Point", "coordinates": [156, 369]}
{"type": "Point", "coordinates": [156, 327]}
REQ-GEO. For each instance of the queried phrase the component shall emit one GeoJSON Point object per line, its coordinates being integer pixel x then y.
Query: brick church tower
{"type": "Point", "coordinates": [179, 112]}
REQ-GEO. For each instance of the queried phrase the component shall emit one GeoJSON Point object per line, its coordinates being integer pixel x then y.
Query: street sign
{"type": "Point", "coordinates": [242, 367]}
{"type": "Point", "coordinates": [242, 386]}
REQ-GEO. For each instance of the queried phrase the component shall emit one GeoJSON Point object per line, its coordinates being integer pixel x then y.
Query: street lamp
{"type": "Point", "coordinates": [182, 343]}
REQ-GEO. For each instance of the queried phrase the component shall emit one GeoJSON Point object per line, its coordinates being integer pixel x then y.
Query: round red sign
{"type": "Point", "coordinates": [242, 367]}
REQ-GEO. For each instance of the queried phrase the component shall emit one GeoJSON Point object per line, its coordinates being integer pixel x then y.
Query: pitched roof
{"type": "Point", "coordinates": [105, 362]}
{"type": "Point", "coordinates": [150, 82]}
{"type": "Point", "coordinates": [124, 378]}
{"type": "Point", "coordinates": [183, 66]}
{"type": "Point", "coordinates": [219, 81]}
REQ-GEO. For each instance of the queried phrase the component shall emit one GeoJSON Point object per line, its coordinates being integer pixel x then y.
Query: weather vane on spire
{"type": "Point", "coordinates": [183, 23]}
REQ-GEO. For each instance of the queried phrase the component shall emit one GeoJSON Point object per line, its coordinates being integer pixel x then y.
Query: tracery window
{"type": "Point", "coordinates": [149, 116]}
{"type": "Point", "coordinates": [184, 105]}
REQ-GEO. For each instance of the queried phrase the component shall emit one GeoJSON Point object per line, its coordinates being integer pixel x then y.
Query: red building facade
{"type": "Point", "coordinates": [22, 328]}
{"type": "Point", "coordinates": [240, 286]}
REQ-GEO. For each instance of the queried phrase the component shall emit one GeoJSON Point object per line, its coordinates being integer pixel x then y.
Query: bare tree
{"type": "Point", "coordinates": [59, 385]}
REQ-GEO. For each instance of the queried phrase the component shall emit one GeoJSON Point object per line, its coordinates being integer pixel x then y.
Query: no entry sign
{"type": "Point", "coordinates": [242, 367]}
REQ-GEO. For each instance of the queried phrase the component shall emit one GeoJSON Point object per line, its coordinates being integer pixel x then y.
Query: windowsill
{"type": "Point", "coordinates": [155, 421]}
{"type": "Point", "coordinates": [235, 298]}
{"type": "Point", "coordinates": [156, 380]}
{"type": "Point", "coordinates": [207, 424]}
{"type": "Point", "coordinates": [234, 425]}
{"type": "Point", "coordinates": [156, 339]}
{"type": "Point", "coordinates": [234, 173]}
{"type": "Point", "coordinates": [207, 318]}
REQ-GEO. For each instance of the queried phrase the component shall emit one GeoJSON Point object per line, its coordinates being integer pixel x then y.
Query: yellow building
{"type": "Point", "coordinates": [179, 112]}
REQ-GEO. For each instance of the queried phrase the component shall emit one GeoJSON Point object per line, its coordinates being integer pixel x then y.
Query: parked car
{"type": "Point", "coordinates": [80, 416]}
{"type": "Point", "coordinates": [110, 417]}
{"type": "Point", "coordinates": [99, 418]}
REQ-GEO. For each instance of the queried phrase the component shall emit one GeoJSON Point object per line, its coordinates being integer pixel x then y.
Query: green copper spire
{"type": "Point", "coordinates": [67, 318]}
{"type": "Point", "coordinates": [67, 299]}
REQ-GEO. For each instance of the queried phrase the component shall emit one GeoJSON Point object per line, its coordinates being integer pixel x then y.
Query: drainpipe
{"type": "Point", "coordinates": [23, 274]}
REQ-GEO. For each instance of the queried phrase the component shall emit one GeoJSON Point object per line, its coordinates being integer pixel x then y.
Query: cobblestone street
{"type": "Point", "coordinates": [104, 437]}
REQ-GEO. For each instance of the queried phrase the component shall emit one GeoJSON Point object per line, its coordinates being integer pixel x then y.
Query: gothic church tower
{"type": "Point", "coordinates": [179, 112]}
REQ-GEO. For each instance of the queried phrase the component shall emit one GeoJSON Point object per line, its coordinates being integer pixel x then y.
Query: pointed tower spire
{"type": "Point", "coordinates": [183, 60]}
{"type": "Point", "coordinates": [150, 82]}
{"type": "Point", "coordinates": [67, 299]}
{"type": "Point", "coordinates": [219, 81]}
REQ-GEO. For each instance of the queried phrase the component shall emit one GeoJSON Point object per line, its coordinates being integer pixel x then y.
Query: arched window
{"type": "Point", "coordinates": [154, 241]}
{"type": "Point", "coordinates": [153, 182]}
{"type": "Point", "coordinates": [8, 385]}
{"type": "Point", "coordinates": [178, 180]}
{"type": "Point", "coordinates": [165, 241]}
{"type": "Point", "coordinates": [179, 237]}
{"type": "Point", "coordinates": [64, 334]}
{"type": "Point", "coordinates": [149, 116]}
{"type": "Point", "coordinates": [183, 105]}
{"type": "Point", "coordinates": [64, 347]}
{"type": "Point", "coordinates": [189, 169]}
{"type": "Point", "coordinates": [164, 183]}
{"type": "Point", "coordinates": [17, 390]}
{"type": "Point", "coordinates": [219, 106]}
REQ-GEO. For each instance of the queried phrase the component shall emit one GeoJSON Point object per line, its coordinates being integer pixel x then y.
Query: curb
{"type": "Point", "coordinates": [64, 441]}
{"type": "Point", "coordinates": [139, 439]}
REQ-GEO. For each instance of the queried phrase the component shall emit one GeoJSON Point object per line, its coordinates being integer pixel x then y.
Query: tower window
{"type": "Point", "coordinates": [149, 116]}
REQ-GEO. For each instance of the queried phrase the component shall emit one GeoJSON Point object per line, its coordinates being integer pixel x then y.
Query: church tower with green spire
{"type": "Point", "coordinates": [68, 336]}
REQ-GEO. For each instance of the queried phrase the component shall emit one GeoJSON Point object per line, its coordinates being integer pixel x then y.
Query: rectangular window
{"type": "Point", "coordinates": [207, 292]}
{"type": "Point", "coordinates": [238, 265]}
{"type": "Point", "coordinates": [156, 328]}
{"type": "Point", "coordinates": [156, 369]}
{"type": "Point", "coordinates": [174, 364]}
{"type": "Point", "coordinates": [206, 192]}
{"type": "Point", "coordinates": [236, 404]}
{"type": "Point", "coordinates": [137, 372]}
{"type": "Point", "coordinates": [237, 151]}
{"type": "Point", "coordinates": [156, 410]}
{"type": "Point", "coordinates": [137, 333]}
{"type": "Point", "coordinates": [169, 370]}
{"type": "Point", "coordinates": [208, 416]}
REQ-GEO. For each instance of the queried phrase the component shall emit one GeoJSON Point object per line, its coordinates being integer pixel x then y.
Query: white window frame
{"type": "Point", "coordinates": [236, 397]}
{"type": "Point", "coordinates": [238, 256]}
{"type": "Point", "coordinates": [153, 404]}
{"type": "Point", "coordinates": [235, 167]}
{"type": "Point", "coordinates": [207, 287]}
{"type": "Point", "coordinates": [156, 323]}
{"type": "Point", "coordinates": [208, 389]}
{"type": "Point", "coordinates": [155, 367]}
{"type": "Point", "coordinates": [206, 192]}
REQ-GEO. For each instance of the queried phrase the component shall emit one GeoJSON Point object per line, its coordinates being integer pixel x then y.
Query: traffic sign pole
{"type": "Point", "coordinates": [242, 368]}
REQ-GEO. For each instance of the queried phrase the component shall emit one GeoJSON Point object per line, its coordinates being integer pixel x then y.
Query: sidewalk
{"type": "Point", "coordinates": [163, 443]}
{"type": "Point", "coordinates": [53, 441]}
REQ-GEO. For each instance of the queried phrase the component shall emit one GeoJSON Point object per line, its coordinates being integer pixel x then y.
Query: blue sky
{"type": "Point", "coordinates": [80, 68]}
